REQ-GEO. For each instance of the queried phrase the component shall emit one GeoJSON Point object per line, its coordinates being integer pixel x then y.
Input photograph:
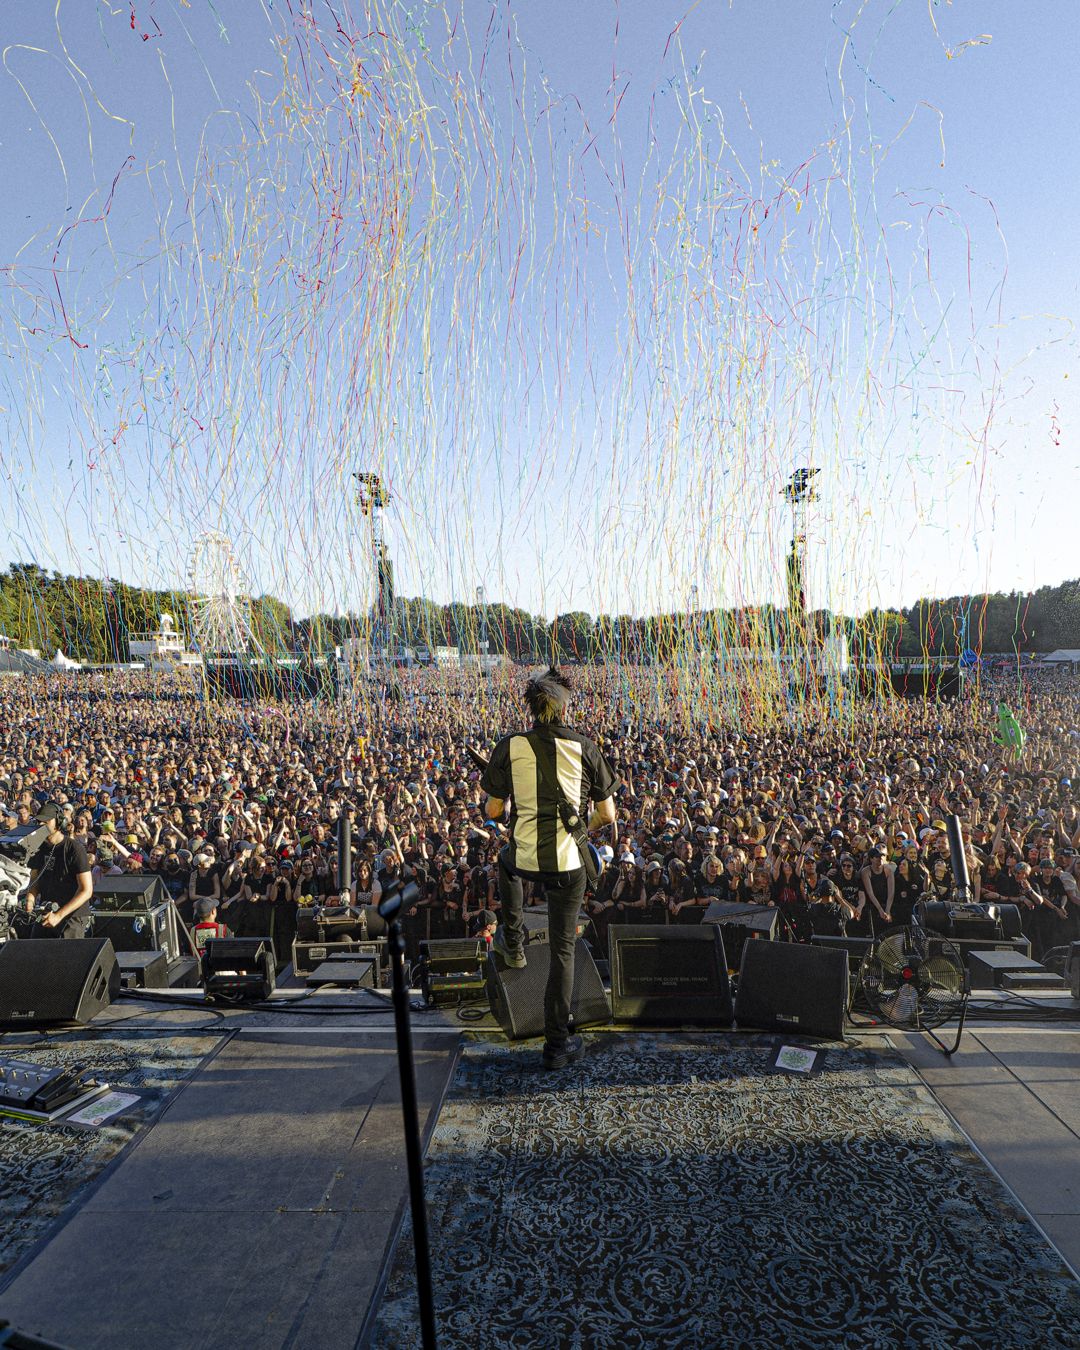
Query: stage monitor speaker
{"type": "Point", "coordinates": [537, 926]}
{"type": "Point", "coordinates": [517, 996]}
{"type": "Point", "coordinates": [339, 923]}
{"type": "Point", "coordinates": [143, 970]}
{"type": "Point", "coordinates": [308, 956]}
{"type": "Point", "coordinates": [448, 956]}
{"type": "Point", "coordinates": [45, 980]}
{"type": "Point", "coordinates": [21, 843]}
{"type": "Point", "coordinates": [856, 947]}
{"type": "Point", "coordinates": [740, 923]}
{"type": "Point", "coordinates": [138, 930]}
{"type": "Point", "coordinates": [664, 974]}
{"type": "Point", "coordinates": [128, 894]}
{"type": "Point", "coordinates": [966, 945]}
{"type": "Point", "coordinates": [786, 986]}
{"type": "Point", "coordinates": [238, 970]}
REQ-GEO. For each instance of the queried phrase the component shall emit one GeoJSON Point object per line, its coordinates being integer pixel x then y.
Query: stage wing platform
{"type": "Point", "coordinates": [256, 1211]}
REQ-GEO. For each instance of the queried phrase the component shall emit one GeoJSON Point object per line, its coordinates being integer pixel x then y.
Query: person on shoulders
{"type": "Point", "coordinates": [206, 924]}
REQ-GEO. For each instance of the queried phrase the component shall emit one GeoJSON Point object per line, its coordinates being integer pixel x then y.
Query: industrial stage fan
{"type": "Point", "coordinates": [916, 981]}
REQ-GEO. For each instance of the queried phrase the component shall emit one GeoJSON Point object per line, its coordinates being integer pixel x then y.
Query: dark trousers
{"type": "Point", "coordinates": [565, 892]}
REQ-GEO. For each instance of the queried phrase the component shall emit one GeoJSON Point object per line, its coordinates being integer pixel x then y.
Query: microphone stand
{"type": "Point", "coordinates": [394, 897]}
{"type": "Point", "coordinates": [344, 856]}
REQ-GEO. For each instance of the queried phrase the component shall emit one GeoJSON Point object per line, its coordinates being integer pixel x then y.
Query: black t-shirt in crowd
{"type": "Point", "coordinates": [58, 867]}
{"type": "Point", "coordinates": [174, 881]}
{"type": "Point", "coordinates": [848, 884]}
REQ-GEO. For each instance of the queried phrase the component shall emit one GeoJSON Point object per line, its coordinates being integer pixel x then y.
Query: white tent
{"type": "Point", "coordinates": [1064, 655]}
{"type": "Point", "coordinates": [65, 662]}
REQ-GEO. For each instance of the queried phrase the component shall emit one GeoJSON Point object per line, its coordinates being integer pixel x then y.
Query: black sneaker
{"type": "Point", "coordinates": [558, 1057]}
{"type": "Point", "coordinates": [514, 959]}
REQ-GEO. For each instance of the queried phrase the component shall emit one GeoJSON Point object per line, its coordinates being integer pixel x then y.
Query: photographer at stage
{"type": "Point", "coordinates": [541, 772]}
{"type": "Point", "coordinates": [60, 875]}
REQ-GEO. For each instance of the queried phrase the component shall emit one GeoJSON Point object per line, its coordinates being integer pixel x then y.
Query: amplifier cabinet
{"type": "Point", "coordinates": [148, 930]}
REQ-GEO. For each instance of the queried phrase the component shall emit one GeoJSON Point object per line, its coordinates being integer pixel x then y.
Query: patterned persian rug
{"type": "Point", "coordinates": [46, 1168]}
{"type": "Point", "coordinates": [674, 1191]}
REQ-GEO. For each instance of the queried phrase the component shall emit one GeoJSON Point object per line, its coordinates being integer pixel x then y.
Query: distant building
{"type": "Point", "coordinates": [446, 658]}
{"type": "Point", "coordinates": [164, 649]}
{"type": "Point", "coordinates": [483, 662]}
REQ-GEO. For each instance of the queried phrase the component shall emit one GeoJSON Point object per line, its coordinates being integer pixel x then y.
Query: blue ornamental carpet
{"type": "Point", "coordinates": [45, 1169]}
{"type": "Point", "coordinates": [675, 1191]}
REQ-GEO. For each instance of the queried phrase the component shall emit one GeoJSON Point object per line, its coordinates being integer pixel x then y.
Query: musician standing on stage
{"type": "Point", "coordinates": [524, 768]}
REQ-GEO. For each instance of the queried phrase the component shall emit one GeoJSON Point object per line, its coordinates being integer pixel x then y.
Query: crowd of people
{"type": "Point", "coordinates": [837, 822]}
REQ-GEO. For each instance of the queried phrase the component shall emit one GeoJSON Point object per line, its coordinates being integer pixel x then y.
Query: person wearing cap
{"type": "Point", "coordinates": [545, 774]}
{"type": "Point", "coordinates": [203, 884]}
{"type": "Point", "coordinates": [206, 925]}
{"type": "Point", "coordinates": [173, 877]}
{"type": "Point", "coordinates": [1051, 922]}
{"type": "Point", "coordinates": [599, 905]}
{"type": "Point", "coordinates": [878, 882]}
{"type": "Point", "coordinates": [282, 898]}
{"type": "Point", "coordinates": [484, 925]}
{"type": "Point", "coordinates": [60, 876]}
{"type": "Point", "coordinates": [845, 877]}
{"type": "Point", "coordinates": [103, 863]}
{"type": "Point", "coordinates": [829, 913]}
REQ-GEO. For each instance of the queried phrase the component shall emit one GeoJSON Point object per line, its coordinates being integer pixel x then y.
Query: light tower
{"type": "Point", "coordinates": [373, 497]}
{"type": "Point", "coordinates": [799, 491]}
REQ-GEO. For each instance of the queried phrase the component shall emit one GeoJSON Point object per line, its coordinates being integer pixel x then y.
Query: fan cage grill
{"type": "Point", "coordinates": [912, 979]}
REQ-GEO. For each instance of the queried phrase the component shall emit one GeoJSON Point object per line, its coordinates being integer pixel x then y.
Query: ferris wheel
{"type": "Point", "coordinates": [218, 604]}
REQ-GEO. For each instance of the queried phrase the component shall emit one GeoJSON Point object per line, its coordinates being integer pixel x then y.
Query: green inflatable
{"type": "Point", "coordinates": [1010, 732]}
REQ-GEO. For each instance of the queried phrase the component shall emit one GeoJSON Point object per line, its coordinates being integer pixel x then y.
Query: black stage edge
{"type": "Point", "coordinates": [260, 1210]}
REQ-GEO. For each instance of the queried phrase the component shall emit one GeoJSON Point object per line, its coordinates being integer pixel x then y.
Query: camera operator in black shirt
{"type": "Point", "coordinates": [60, 875]}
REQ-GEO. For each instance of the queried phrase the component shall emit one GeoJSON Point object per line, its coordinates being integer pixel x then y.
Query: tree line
{"type": "Point", "coordinates": [91, 619]}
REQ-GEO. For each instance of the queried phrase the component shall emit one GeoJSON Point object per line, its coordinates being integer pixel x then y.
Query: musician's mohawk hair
{"type": "Point", "coordinates": [547, 695]}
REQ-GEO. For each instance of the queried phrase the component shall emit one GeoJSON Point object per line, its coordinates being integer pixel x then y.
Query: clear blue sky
{"type": "Point", "coordinates": [584, 281]}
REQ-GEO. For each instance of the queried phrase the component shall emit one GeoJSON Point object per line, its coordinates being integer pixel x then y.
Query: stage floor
{"type": "Point", "coordinates": [256, 1211]}
{"type": "Point", "coordinates": [260, 1209]}
{"type": "Point", "coordinates": [1015, 1093]}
